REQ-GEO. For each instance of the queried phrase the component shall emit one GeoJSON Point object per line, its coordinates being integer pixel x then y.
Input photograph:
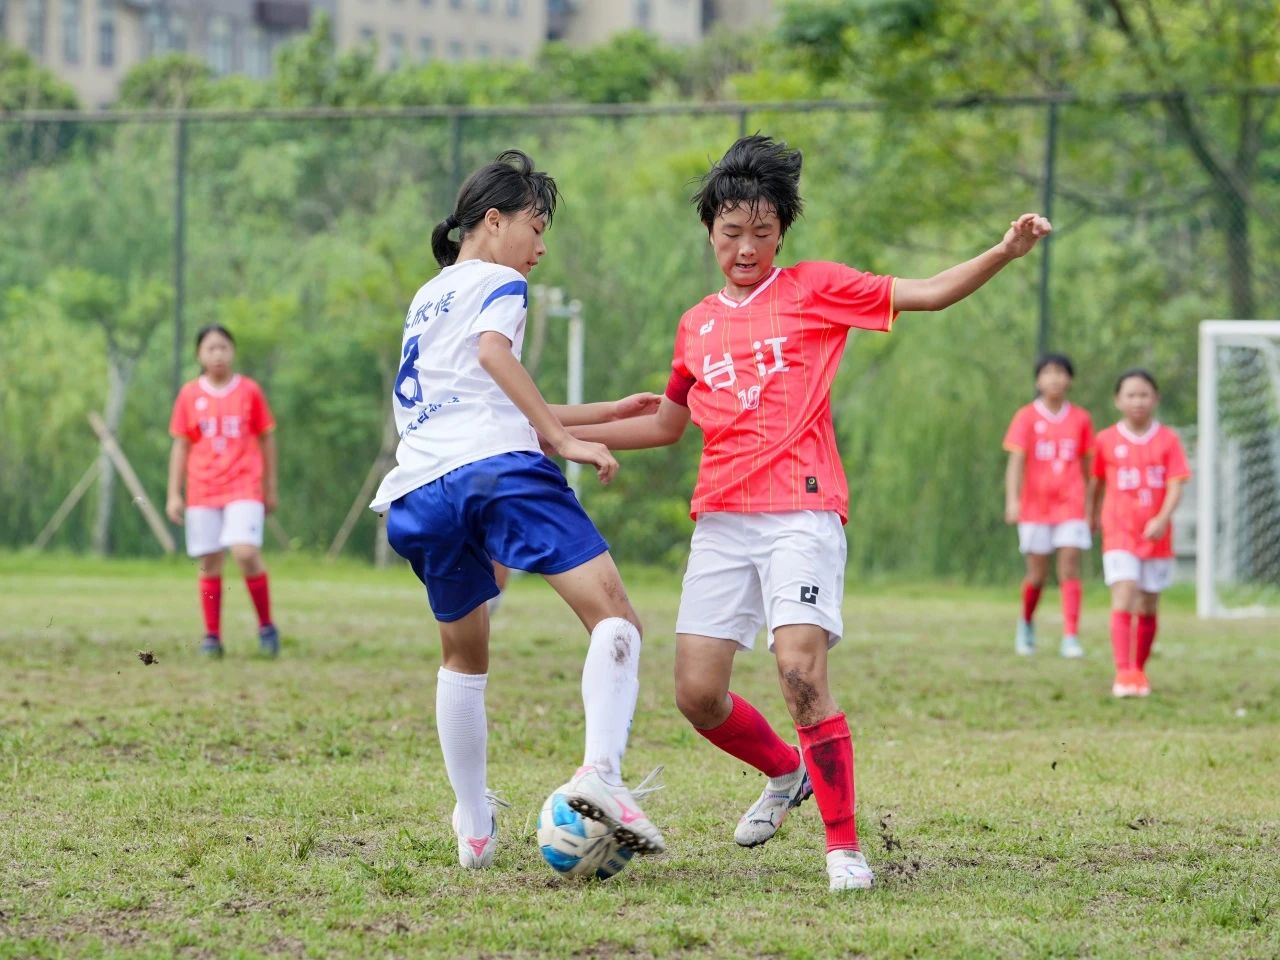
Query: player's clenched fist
{"type": "Point", "coordinates": [1024, 232]}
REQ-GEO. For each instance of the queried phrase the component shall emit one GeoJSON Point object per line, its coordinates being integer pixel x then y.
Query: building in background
{"type": "Point", "coordinates": [92, 44]}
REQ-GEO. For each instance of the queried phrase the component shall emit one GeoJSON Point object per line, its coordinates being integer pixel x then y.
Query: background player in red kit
{"type": "Point", "coordinates": [224, 449]}
{"type": "Point", "coordinates": [753, 367]}
{"type": "Point", "coordinates": [1137, 481]}
{"type": "Point", "coordinates": [1050, 442]}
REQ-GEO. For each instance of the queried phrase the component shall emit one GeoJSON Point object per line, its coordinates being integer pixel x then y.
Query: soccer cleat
{"type": "Point", "coordinates": [211, 646]}
{"type": "Point", "coordinates": [1025, 640]}
{"type": "Point", "coordinates": [1125, 685]}
{"type": "Point", "coordinates": [765, 816]}
{"type": "Point", "coordinates": [1141, 688]}
{"type": "Point", "coordinates": [269, 641]}
{"type": "Point", "coordinates": [476, 853]}
{"type": "Point", "coordinates": [848, 870]}
{"type": "Point", "coordinates": [1071, 648]}
{"type": "Point", "coordinates": [615, 806]}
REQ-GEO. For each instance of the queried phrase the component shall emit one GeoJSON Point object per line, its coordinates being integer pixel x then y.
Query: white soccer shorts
{"type": "Point", "coordinates": [749, 570]}
{"type": "Point", "coordinates": [1152, 576]}
{"type": "Point", "coordinates": [213, 529]}
{"type": "Point", "coordinates": [1044, 538]}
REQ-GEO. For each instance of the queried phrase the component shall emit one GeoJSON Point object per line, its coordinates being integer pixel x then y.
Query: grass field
{"type": "Point", "coordinates": [299, 807]}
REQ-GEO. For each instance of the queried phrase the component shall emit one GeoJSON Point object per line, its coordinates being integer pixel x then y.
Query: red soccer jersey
{"type": "Point", "coordinates": [1054, 445]}
{"type": "Point", "coordinates": [223, 425]}
{"type": "Point", "coordinates": [1137, 470]}
{"type": "Point", "coordinates": [756, 376]}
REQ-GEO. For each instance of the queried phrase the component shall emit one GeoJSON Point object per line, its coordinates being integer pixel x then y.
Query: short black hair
{"type": "Point", "coordinates": [755, 169]}
{"type": "Point", "coordinates": [509, 184]}
{"type": "Point", "coordinates": [212, 328]}
{"type": "Point", "coordinates": [1141, 373]}
{"type": "Point", "coordinates": [1056, 360]}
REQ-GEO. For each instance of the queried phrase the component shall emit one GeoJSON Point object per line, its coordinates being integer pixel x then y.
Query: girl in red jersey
{"type": "Point", "coordinates": [1048, 441]}
{"type": "Point", "coordinates": [1138, 476]}
{"type": "Point", "coordinates": [223, 446]}
{"type": "Point", "coordinates": [753, 366]}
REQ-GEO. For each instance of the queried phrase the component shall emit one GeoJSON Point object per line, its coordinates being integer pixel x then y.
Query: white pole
{"type": "Point", "coordinates": [575, 378]}
{"type": "Point", "coordinates": [1206, 480]}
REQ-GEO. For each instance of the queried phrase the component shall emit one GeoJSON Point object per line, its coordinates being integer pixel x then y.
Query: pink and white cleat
{"type": "Point", "coordinates": [614, 805]}
{"type": "Point", "coordinates": [476, 853]}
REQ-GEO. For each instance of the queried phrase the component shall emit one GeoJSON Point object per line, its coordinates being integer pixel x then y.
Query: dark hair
{"type": "Point", "coordinates": [212, 328]}
{"type": "Point", "coordinates": [1141, 374]}
{"type": "Point", "coordinates": [508, 185]}
{"type": "Point", "coordinates": [756, 169]}
{"type": "Point", "coordinates": [1056, 360]}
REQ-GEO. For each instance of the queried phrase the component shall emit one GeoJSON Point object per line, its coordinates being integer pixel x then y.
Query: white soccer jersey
{"type": "Point", "coordinates": [449, 412]}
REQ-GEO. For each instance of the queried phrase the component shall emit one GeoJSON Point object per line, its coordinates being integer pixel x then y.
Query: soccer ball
{"type": "Point", "coordinates": [575, 846]}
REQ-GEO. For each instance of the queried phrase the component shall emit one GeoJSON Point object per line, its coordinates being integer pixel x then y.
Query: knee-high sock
{"type": "Point", "coordinates": [1030, 597]}
{"type": "Point", "coordinates": [828, 753]}
{"type": "Point", "coordinates": [1122, 639]}
{"type": "Point", "coordinates": [746, 734]}
{"type": "Point", "coordinates": [1146, 638]}
{"type": "Point", "coordinates": [1071, 593]}
{"type": "Point", "coordinates": [464, 738]}
{"type": "Point", "coordinates": [610, 683]}
{"type": "Point", "coordinates": [211, 604]}
{"type": "Point", "coordinates": [260, 593]}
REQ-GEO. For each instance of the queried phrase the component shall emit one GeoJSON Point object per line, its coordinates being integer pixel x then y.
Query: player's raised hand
{"type": "Point", "coordinates": [593, 454]}
{"type": "Point", "coordinates": [175, 509]}
{"type": "Point", "coordinates": [1024, 232]}
{"type": "Point", "coordinates": [636, 405]}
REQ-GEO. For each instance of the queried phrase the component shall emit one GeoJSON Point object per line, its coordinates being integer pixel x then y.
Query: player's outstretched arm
{"type": "Point", "coordinates": [954, 284]}
{"type": "Point", "coordinates": [500, 363]}
{"type": "Point", "coordinates": [660, 429]}
{"type": "Point", "coordinates": [174, 508]}
{"type": "Point", "coordinates": [584, 414]}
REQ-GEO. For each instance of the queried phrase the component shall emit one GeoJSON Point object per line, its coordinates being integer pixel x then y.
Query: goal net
{"type": "Point", "coordinates": [1238, 469]}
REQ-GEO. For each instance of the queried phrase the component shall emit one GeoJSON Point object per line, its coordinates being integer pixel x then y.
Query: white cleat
{"type": "Point", "coordinates": [848, 870]}
{"type": "Point", "coordinates": [781, 795]}
{"type": "Point", "coordinates": [614, 805]}
{"type": "Point", "coordinates": [476, 853]}
{"type": "Point", "coordinates": [1071, 648]}
{"type": "Point", "coordinates": [1024, 642]}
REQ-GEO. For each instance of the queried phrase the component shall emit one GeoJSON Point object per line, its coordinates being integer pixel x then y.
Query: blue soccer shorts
{"type": "Point", "coordinates": [515, 508]}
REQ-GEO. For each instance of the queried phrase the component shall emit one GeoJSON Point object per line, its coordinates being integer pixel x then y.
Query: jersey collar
{"type": "Point", "coordinates": [1043, 409]}
{"type": "Point", "coordinates": [754, 293]}
{"type": "Point", "coordinates": [1136, 438]}
{"type": "Point", "coordinates": [213, 391]}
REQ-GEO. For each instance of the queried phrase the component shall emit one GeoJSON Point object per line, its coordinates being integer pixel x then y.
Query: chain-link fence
{"type": "Point", "coordinates": [307, 233]}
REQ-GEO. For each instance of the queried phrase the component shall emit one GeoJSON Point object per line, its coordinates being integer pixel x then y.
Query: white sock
{"type": "Point", "coordinates": [464, 735]}
{"type": "Point", "coordinates": [610, 683]}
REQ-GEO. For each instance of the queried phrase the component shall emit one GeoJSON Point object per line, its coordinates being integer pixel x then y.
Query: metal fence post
{"type": "Point", "coordinates": [179, 247]}
{"type": "Point", "coordinates": [1050, 173]}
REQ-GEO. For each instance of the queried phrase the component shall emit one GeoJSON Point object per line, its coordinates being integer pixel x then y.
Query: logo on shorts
{"type": "Point", "coordinates": [809, 595]}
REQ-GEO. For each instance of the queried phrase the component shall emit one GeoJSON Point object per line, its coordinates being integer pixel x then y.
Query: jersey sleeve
{"type": "Point", "coordinates": [181, 423]}
{"type": "Point", "coordinates": [1016, 438]}
{"type": "Point", "coordinates": [1176, 466]}
{"type": "Point", "coordinates": [506, 299]}
{"type": "Point", "coordinates": [681, 380]}
{"type": "Point", "coordinates": [849, 298]}
{"type": "Point", "coordinates": [260, 418]}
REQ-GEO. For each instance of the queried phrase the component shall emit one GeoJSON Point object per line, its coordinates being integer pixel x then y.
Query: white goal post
{"type": "Point", "coordinates": [1238, 469]}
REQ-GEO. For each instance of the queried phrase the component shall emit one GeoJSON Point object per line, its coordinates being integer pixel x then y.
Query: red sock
{"type": "Point", "coordinates": [1071, 591]}
{"type": "Point", "coordinates": [211, 604]}
{"type": "Point", "coordinates": [828, 753]}
{"type": "Point", "coordinates": [1122, 639]}
{"type": "Point", "coordinates": [1030, 597]}
{"type": "Point", "coordinates": [261, 597]}
{"type": "Point", "coordinates": [1146, 638]}
{"type": "Point", "coordinates": [748, 736]}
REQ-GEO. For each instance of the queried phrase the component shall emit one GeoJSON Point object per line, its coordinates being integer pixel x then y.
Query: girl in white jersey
{"type": "Point", "coordinates": [471, 486]}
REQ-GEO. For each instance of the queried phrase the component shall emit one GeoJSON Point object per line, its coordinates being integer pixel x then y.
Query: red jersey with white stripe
{"type": "Point", "coordinates": [1137, 470]}
{"type": "Point", "coordinates": [223, 425]}
{"type": "Point", "coordinates": [1054, 445]}
{"type": "Point", "coordinates": [756, 376]}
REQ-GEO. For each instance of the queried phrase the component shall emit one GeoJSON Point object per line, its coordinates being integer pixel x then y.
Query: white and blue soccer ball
{"type": "Point", "coordinates": [575, 846]}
